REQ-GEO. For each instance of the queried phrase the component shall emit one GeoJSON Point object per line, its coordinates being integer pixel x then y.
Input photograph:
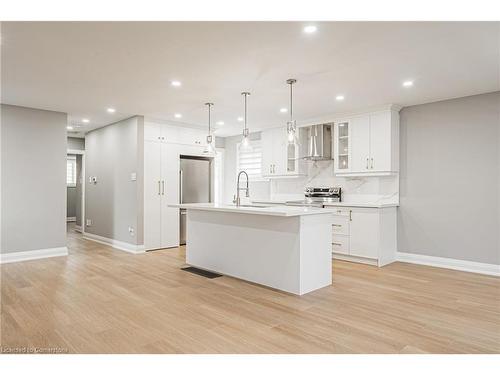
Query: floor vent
{"type": "Point", "coordinates": [200, 272]}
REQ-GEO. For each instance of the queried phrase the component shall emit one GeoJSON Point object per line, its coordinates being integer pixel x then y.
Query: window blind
{"type": "Point", "coordinates": [71, 170]}
{"type": "Point", "coordinates": [250, 161]}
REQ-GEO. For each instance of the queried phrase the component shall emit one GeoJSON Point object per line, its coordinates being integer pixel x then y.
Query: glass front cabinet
{"type": "Point", "coordinates": [342, 146]}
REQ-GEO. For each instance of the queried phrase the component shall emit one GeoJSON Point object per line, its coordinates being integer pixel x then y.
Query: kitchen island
{"type": "Point", "coordinates": [286, 248]}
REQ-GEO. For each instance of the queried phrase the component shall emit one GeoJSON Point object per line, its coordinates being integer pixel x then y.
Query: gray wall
{"type": "Point", "coordinates": [71, 201]}
{"type": "Point", "coordinates": [76, 143]}
{"type": "Point", "coordinates": [33, 178]}
{"type": "Point", "coordinates": [450, 179]}
{"type": "Point", "coordinates": [115, 202]}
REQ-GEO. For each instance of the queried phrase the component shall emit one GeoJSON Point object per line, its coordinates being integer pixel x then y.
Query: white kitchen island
{"type": "Point", "coordinates": [286, 248]}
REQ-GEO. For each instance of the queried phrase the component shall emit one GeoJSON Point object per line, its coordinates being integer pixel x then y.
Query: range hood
{"type": "Point", "coordinates": [319, 142]}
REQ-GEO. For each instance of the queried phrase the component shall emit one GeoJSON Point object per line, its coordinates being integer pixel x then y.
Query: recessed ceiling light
{"type": "Point", "coordinates": [176, 83]}
{"type": "Point", "coordinates": [69, 127]}
{"type": "Point", "coordinates": [111, 110]}
{"type": "Point", "coordinates": [85, 120]}
{"type": "Point", "coordinates": [310, 29]}
{"type": "Point", "coordinates": [220, 122]}
{"type": "Point", "coordinates": [177, 115]}
{"type": "Point", "coordinates": [407, 83]}
{"type": "Point", "coordinates": [283, 110]}
{"type": "Point", "coordinates": [339, 97]}
{"type": "Point", "coordinates": [240, 119]}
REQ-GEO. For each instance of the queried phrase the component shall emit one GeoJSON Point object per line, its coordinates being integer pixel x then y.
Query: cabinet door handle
{"type": "Point", "coordinates": [336, 244]}
{"type": "Point", "coordinates": [159, 188]}
{"type": "Point", "coordinates": [163, 187]}
{"type": "Point", "coordinates": [336, 225]}
{"type": "Point", "coordinates": [350, 215]}
{"type": "Point", "coordinates": [372, 163]}
{"type": "Point", "coordinates": [270, 168]}
{"type": "Point", "coordinates": [366, 163]}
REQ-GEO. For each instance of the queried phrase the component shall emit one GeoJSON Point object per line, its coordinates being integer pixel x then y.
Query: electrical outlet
{"type": "Point", "coordinates": [131, 231]}
{"type": "Point", "coordinates": [89, 222]}
{"type": "Point", "coordinates": [133, 176]}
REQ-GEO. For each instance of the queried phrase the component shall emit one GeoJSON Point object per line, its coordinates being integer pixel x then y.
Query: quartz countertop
{"type": "Point", "coordinates": [336, 204]}
{"type": "Point", "coordinates": [283, 210]}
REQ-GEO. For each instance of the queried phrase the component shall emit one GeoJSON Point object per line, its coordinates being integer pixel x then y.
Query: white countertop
{"type": "Point", "coordinates": [273, 210]}
{"type": "Point", "coordinates": [336, 204]}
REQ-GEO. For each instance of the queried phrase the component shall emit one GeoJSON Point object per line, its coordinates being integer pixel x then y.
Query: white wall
{"type": "Point", "coordinates": [450, 179]}
{"type": "Point", "coordinates": [33, 179]}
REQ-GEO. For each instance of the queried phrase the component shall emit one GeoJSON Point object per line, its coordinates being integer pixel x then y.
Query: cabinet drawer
{"type": "Point", "coordinates": [340, 225]}
{"type": "Point", "coordinates": [339, 211]}
{"type": "Point", "coordinates": [340, 244]}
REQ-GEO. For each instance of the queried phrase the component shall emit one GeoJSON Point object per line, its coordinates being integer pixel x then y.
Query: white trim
{"type": "Point", "coordinates": [22, 256]}
{"type": "Point", "coordinates": [70, 219]}
{"type": "Point", "coordinates": [75, 152]}
{"type": "Point", "coordinates": [80, 152]}
{"type": "Point", "coordinates": [124, 246]}
{"type": "Point", "coordinates": [454, 264]}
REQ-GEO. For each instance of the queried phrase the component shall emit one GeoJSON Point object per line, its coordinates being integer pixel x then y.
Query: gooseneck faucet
{"type": "Point", "coordinates": [236, 199]}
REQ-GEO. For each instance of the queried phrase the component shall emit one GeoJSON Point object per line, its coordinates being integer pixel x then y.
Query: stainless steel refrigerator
{"type": "Point", "coordinates": [195, 185]}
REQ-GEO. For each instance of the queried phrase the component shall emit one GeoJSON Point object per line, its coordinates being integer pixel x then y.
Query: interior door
{"type": "Point", "coordinates": [360, 144]}
{"type": "Point", "coordinates": [380, 142]}
{"type": "Point", "coordinates": [152, 195]}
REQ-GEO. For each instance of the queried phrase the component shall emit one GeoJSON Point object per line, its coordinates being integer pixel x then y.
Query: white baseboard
{"type": "Point", "coordinates": [70, 219]}
{"type": "Point", "coordinates": [454, 264]}
{"type": "Point", "coordinates": [349, 258]}
{"type": "Point", "coordinates": [130, 248]}
{"type": "Point", "coordinates": [78, 228]}
{"type": "Point", "coordinates": [22, 256]}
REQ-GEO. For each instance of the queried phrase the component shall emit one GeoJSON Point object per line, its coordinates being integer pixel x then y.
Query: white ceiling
{"type": "Point", "coordinates": [84, 67]}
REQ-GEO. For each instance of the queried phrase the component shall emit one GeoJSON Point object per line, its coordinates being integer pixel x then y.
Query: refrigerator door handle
{"type": "Point", "coordinates": [180, 186]}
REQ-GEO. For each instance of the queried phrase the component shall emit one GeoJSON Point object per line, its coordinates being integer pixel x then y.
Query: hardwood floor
{"type": "Point", "coordinates": [102, 300]}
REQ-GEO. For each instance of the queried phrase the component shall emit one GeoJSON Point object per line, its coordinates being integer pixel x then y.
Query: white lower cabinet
{"type": "Point", "coordinates": [366, 235]}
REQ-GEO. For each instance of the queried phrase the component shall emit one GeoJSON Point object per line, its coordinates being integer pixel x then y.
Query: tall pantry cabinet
{"type": "Point", "coordinates": [163, 145]}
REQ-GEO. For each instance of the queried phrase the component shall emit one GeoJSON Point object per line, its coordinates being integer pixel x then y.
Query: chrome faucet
{"type": "Point", "coordinates": [236, 199]}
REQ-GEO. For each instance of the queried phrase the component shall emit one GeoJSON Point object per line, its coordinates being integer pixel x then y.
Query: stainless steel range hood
{"type": "Point", "coordinates": [319, 142]}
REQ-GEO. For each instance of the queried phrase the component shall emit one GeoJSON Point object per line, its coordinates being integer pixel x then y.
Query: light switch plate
{"type": "Point", "coordinates": [133, 176]}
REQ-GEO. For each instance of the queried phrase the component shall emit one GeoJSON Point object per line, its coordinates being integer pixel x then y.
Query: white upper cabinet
{"type": "Point", "coordinates": [152, 131]}
{"type": "Point", "coordinates": [367, 144]}
{"type": "Point", "coordinates": [279, 158]}
{"type": "Point", "coordinates": [174, 134]}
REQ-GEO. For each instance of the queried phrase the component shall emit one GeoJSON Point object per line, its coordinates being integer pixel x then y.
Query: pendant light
{"type": "Point", "coordinates": [245, 143]}
{"type": "Point", "coordinates": [210, 145]}
{"type": "Point", "coordinates": [291, 125]}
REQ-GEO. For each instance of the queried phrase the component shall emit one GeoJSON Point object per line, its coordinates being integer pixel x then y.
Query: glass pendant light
{"type": "Point", "coordinates": [245, 143]}
{"type": "Point", "coordinates": [210, 149]}
{"type": "Point", "coordinates": [291, 125]}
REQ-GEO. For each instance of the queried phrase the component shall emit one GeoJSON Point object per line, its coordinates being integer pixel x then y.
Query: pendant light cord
{"type": "Point", "coordinates": [245, 94]}
{"type": "Point", "coordinates": [209, 105]}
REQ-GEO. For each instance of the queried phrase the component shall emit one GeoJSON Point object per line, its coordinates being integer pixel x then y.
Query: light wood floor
{"type": "Point", "coordinates": [101, 300]}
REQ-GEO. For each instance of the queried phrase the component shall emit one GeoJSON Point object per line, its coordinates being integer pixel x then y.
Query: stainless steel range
{"type": "Point", "coordinates": [317, 197]}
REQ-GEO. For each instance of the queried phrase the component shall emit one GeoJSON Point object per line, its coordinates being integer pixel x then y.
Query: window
{"type": "Point", "coordinates": [250, 161]}
{"type": "Point", "coordinates": [71, 170]}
